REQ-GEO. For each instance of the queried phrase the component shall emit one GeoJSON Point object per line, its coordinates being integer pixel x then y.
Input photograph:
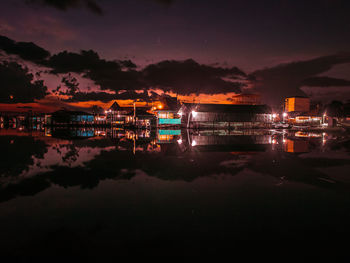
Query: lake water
{"type": "Point", "coordinates": [86, 192]}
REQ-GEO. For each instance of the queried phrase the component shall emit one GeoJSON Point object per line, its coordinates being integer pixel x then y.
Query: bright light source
{"type": "Point", "coordinates": [179, 141]}
{"type": "Point", "coordinates": [274, 115]}
{"type": "Point", "coordinates": [180, 113]}
{"type": "Point", "coordinates": [160, 106]}
{"type": "Point", "coordinates": [285, 114]}
{"type": "Point", "coordinates": [154, 108]}
{"type": "Point", "coordinates": [194, 114]}
{"type": "Point", "coordinates": [106, 111]}
{"type": "Point", "coordinates": [194, 143]}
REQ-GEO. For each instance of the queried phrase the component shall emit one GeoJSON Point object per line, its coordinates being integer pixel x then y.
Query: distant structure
{"type": "Point", "coordinates": [246, 99]}
{"type": "Point", "coordinates": [297, 104]}
{"type": "Point", "coordinates": [298, 111]}
{"type": "Point", "coordinates": [225, 116]}
{"type": "Point", "coordinates": [139, 118]}
{"type": "Point", "coordinates": [65, 117]}
{"type": "Point", "coordinates": [116, 115]}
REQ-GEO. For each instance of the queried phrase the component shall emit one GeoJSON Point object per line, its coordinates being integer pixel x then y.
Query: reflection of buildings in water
{"type": "Point", "coordinates": [70, 133]}
{"type": "Point", "coordinates": [229, 143]}
{"type": "Point", "coordinates": [308, 134]}
{"type": "Point", "coordinates": [100, 133]}
{"type": "Point", "coordinates": [302, 141]}
{"type": "Point", "coordinates": [115, 133]}
{"type": "Point", "coordinates": [168, 136]}
{"type": "Point", "coordinates": [296, 146]}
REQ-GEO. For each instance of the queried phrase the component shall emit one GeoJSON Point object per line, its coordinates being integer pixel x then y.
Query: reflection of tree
{"type": "Point", "coordinates": [171, 164]}
{"type": "Point", "coordinates": [19, 153]}
{"type": "Point", "coordinates": [72, 154]}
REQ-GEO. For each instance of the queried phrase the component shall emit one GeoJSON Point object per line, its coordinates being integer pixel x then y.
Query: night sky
{"type": "Point", "coordinates": [212, 49]}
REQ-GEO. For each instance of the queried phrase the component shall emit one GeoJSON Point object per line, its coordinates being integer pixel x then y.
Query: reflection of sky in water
{"type": "Point", "coordinates": [178, 155]}
{"type": "Point", "coordinates": [119, 188]}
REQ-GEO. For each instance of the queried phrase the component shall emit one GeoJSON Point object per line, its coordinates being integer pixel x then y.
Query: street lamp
{"type": "Point", "coordinates": [284, 115]}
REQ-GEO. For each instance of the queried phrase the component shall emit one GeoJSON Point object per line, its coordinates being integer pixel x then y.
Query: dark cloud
{"type": "Point", "coordinates": [182, 77]}
{"type": "Point", "coordinates": [165, 2]}
{"type": "Point", "coordinates": [284, 80]}
{"type": "Point", "coordinates": [68, 4]}
{"type": "Point", "coordinates": [187, 77]}
{"type": "Point", "coordinates": [110, 75]}
{"type": "Point", "coordinates": [65, 62]}
{"type": "Point", "coordinates": [106, 97]}
{"type": "Point", "coordinates": [92, 96]}
{"type": "Point", "coordinates": [325, 82]}
{"type": "Point", "coordinates": [91, 5]}
{"type": "Point", "coordinates": [26, 50]}
{"type": "Point", "coordinates": [17, 85]}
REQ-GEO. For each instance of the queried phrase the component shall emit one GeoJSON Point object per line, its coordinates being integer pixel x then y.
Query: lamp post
{"type": "Point", "coordinates": [193, 114]}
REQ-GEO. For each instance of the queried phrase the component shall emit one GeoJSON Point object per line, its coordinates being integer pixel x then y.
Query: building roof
{"type": "Point", "coordinates": [299, 97]}
{"type": "Point", "coordinates": [228, 108]}
{"type": "Point", "coordinates": [115, 107]}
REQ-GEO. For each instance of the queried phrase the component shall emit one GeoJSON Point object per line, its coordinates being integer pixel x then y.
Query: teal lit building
{"type": "Point", "coordinates": [168, 114]}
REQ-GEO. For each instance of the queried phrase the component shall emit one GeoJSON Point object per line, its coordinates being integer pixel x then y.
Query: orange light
{"type": "Point", "coordinates": [160, 106]}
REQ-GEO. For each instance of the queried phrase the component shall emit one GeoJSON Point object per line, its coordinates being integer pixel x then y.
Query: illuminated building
{"type": "Point", "coordinates": [297, 104]}
{"type": "Point", "coordinates": [139, 118]}
{"type": "Point", "coordinates": [168, 113]}
{"type": "Point", "coordinates": [226, 115]}
{"type": "Point", "coordinates": [116, 115]}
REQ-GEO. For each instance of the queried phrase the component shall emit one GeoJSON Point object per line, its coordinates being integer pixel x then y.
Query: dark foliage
{"type": "Point", "coordinates": [17, 84]}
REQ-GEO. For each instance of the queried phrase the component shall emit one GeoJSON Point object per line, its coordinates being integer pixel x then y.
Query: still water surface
{"type": "Point", "coordinates": [86, 192]}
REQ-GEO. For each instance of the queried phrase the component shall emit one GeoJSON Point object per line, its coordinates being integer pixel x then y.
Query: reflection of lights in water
{"type": "Point", "coordinates": [179, 141]}
{"type": "Point", "coordinates": [194, 114]}
{"type": "Point", "coordinates": [194, 143]}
